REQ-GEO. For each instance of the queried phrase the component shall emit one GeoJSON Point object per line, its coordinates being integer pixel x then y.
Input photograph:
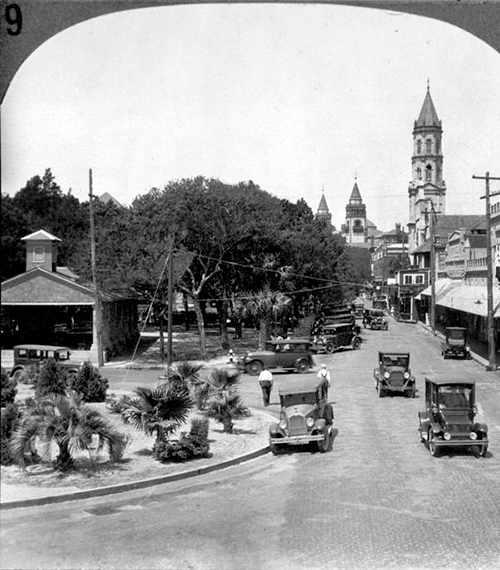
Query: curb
{"type": "Point", "coordinates": [135, 485]}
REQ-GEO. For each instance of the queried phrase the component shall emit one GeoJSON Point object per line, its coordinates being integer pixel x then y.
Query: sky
{"type": "Point", "coordinates": [299, 99]}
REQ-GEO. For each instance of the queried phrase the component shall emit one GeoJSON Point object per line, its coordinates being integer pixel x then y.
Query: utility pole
{"type": "Point", "coordinates": [97, 301]}
{"type": "Point", "coordinates": [489, 273]}
{"type": "Point", "coordinates": [170, 307]}
{"type": "Point", "coordinates": [432, 227]}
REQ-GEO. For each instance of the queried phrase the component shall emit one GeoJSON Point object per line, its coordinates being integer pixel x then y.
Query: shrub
{"type": "Point", "coordinates": [10, 417]}
{"type": "Point", "coordinates": [89, 383]}
{"type": "Point", "coordinates": [118, 405]}
{"type": "Point", "coordinates": [192, 445]}
{"type": "Point", "coordinates": [51, 380]}
{"type": "Point", "coordinates": [8, 390]}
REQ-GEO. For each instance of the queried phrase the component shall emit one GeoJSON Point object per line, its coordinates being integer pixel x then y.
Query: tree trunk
{"type": "Point", "coordinates": [63, 461]}
{"type": "Point", "coordinates": [228, 425]}
{"type": "Point", "coordinates": [263, 332]}
{"type": "Point", "coordinates": [201, 327]}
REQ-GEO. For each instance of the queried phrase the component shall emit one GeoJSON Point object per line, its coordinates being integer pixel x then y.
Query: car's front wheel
{"type": "Point", "coordinates": [275, 449]}
{"type": "Point", "coordinates": [254, 367]}
{"type": "Point", "coordinates": [356, 343]}
{"type": "Point", "coordinates": [329, 347]}
{"type": "Point", "coordinates": [324, 443]}
{"type": "Point", "coordinates": [381, 392]}
{"type": "Point", "coordinates": [433, 448]}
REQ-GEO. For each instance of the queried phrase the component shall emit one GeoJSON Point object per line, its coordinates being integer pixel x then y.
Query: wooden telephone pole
{"type": "Point", "coordinates": [432, 227]}
{"type": "Point", "coordinates": [97, 300]}
{"type": "Point", "coordinates": [489, 273]}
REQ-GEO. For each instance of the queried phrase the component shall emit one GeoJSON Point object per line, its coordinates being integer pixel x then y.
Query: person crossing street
{"type": "Point", "coordinates": [266, 384]}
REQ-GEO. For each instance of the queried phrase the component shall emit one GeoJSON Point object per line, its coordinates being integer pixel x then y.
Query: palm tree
{"type": "Point", "coordinates": [159, 411]}
{"type": "Point", "coordinates": [63, 420]}
{"type": "Point", "coordinates": [265, 307]}
{"type": "Point", "coordinates": [226, 407]}
{"type": "Point", "coordinates": [225, 404]}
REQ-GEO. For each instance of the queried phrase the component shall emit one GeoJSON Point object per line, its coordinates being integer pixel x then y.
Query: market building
{"type": "Point", "coordinates": [47, 305]}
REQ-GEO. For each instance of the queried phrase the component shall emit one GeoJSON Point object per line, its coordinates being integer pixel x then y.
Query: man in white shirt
{"type": "Point", "coordinates": [324, 375]}
{"type": "Point", "coordinates": [266, 384]}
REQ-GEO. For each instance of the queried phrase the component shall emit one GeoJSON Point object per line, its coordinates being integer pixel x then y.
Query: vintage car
{"type": "Point", "coordinates": [393, 375]}
{"type": "Point", "coordinates": [455, 343]}
{"type": "Point", "coordinates": [306, 416]}
{"type": "Point", "coordinates": [29, 357]}
{"type": "Point", "coordinates": [335, 337]}
{"type": "Point", "coordinates": [287, 354]}
{"type": "Point", "coordinates": [375, 319]}
{"type": "Point", "coordinates": [450, 416]}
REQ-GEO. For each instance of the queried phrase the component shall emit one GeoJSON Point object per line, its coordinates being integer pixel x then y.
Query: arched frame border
{"type": "Point", "coordinates": [42, 19]}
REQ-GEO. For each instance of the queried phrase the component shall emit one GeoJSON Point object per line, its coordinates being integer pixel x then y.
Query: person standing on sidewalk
{"type": "Point", "coordinates": [266, 384]}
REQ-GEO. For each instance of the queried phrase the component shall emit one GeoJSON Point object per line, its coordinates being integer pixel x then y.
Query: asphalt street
{"type": "Point", "coordinates": [377, 499]}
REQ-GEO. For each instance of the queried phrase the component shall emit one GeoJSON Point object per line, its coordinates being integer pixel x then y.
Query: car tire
{"type": "Point", "coordinates": [324, 444]}
{"type": "Point", "coordinates": [302, 366]}
{"type": "Point", "coordinates": [329, 348]}
{"type": "Point", "coordinates": [356, 343]}
{"type": "Point", "coordinates": [381, 393]}
{"type": "Point", "coordinates": [21, 376]}
{"type": "Point", "coordinates": [483, 450]}
{"type": "Point", "coordinates": [254, 367]}
{"type": "Point", "coordinates": [433, 448]}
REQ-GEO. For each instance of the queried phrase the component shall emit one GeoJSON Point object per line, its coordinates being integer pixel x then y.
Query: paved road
{"type": "Point", "coordinates": [376, 500]}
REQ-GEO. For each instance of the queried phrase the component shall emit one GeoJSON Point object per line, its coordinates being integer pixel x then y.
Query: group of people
{"type": "Point", "coordinates": [266, 382]}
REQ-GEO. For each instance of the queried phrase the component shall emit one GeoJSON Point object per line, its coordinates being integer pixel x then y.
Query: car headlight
{"type": "Point", "coordinates": [386, 375]}
{"type": "Point", "coordinates": [310, 422]}
{"type": "Point", "coordinates": [406, 375]}
{"type": "Point", "coordinates": [447, 436]}
{"type": "Point", "coordinates": [282, 424]}
{"type": "Point", "coordinates": [473, 435]}
{"type": "Point", "coordinates": [474, 409]}
{"type": "Point", "coordinates": [467, 348]}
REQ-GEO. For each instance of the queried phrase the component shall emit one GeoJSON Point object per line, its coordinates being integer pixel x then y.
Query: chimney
{"type": "Point", "coordinates": [41, 251]}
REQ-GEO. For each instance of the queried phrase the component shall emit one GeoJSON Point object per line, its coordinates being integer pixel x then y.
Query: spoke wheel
{"type": "Point", "coordinates": [329, 347]}
{"type": "Point", "coordinates": [356, 343]}
{"type": "Point", "coordinates": [302, 366]}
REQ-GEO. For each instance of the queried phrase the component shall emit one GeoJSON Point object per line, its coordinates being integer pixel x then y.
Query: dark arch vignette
{"type": "Point", "coordinates": [42, 20]}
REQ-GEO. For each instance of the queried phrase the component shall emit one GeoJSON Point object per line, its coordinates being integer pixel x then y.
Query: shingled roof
{"type": "Point", "coordinates": [428, 116]}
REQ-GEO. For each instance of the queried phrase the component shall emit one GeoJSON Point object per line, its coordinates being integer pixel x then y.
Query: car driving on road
{"type": "Point", "coordinates": [305, 416]}
{"type": "Point", "coordinates": [449, 419]}
{"type": "Point", "coordinates": [287, 354]}
{"type": "Point", "coordinates": [393, 375]}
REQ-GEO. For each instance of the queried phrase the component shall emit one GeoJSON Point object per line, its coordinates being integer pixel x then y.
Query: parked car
{"type": "Point", "coordinates": [28, 358]}
{"type": "Point", "coordinates": [393, 375]}
{"type": "Point", "coordinates": [375, 319]}
{"type": "Point", "coordinates": [334, 337]}
{"type": "Point", "coordinates": [455, 343]}
{"type": "Point", "coordinates": [305, 418]}
{"type": "Point", "coordinates": [449, 419]}
{"type": "Point", "coordinates": [288, 354]}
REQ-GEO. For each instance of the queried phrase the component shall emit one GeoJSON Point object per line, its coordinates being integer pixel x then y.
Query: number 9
{"type": "Point", "coordinates": [14, 19]}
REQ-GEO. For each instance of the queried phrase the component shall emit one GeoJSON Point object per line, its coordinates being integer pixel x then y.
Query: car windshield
{"type": "Point", "coordinates": [395, 360]}
{"type": "Point", "coordinates": [457, 335]}
{"type": "Point", "coordinates": [455, 396]}
{"type": "Point", "coordinates": [297, 399]}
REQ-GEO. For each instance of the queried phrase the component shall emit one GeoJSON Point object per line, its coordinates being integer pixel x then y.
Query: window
{"type": "Point", "coordinates": [428, 173]}
{"type": "Point", "coordinates": [39, 254]}
{"type": "Point", "coordinates": [419, 147]}
{"type": "Point", "coordinates": [428, 146]}
{"type": "Point", "coordinates": [419, 173]}
{"type": "Point", "coordinates": [408, 279]}
{"type": "Point", "coordinates": [419, 279]}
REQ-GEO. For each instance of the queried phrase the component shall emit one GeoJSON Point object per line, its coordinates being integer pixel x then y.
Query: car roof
{"type": "Point", "coordinates": [338, 325]}
{"type": "Point", "coordinates": [392, 353]}
{"type": "Point", "coordinates": [289, 341]}
{"type": "Point", "coordinates": [298, 385]}
{"type": "Point", "coordinates": [40, 347]}
{"type": "Point", "coordinates": [447, 378]}
{"type": "Point", "coordinates": [456, 329]}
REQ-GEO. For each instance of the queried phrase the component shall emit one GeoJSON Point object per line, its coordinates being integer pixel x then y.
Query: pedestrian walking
{"type": "Point", "coordinates": [324, 375]}
{"type": "Point", "coordinates": [266, 384]}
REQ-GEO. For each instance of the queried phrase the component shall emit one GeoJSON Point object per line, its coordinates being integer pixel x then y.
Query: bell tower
{"type": "Point", "coordinates": [427, 182]}
{"type": "Point", "coordinates": [354, 228]}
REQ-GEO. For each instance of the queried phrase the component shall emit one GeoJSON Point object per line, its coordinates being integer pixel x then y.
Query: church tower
{"type": "Point", "coordinates": [427, 172]}
{"type": "Point", "coordinates": [354, 229]}
{"type": "Point", "coordinates": [323, 212]}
